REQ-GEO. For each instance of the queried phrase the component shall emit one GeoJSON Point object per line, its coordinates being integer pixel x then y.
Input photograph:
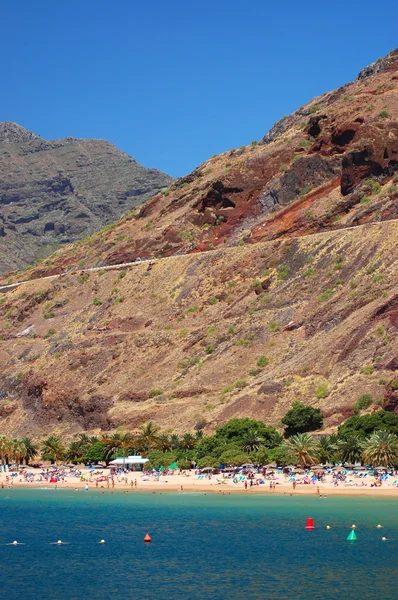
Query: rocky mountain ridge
{"type": "Point", "coordinates": [56, 192]}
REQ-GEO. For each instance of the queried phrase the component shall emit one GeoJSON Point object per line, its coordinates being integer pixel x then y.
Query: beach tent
{"type": "Point", "coordinates": [173, 466]}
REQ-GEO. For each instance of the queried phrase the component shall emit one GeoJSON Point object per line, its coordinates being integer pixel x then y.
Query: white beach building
{"type": "Point", "coordinates": [134, 463]}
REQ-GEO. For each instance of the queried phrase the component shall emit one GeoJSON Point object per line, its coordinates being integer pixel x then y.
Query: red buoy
{"type": "Point", "coordinates": [147, 538]}
{"type": "Point", "coordinates": [310, 523]}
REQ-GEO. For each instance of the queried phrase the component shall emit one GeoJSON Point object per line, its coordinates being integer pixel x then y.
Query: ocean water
{"type": "Point", "coordinates": [203, 546]}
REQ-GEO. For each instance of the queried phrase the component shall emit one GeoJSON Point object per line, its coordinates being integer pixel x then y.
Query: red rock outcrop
{"type": "Point", "coordinates": [390, 401]}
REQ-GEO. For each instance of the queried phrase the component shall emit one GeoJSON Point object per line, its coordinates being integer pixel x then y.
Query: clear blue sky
{"type": "Point", "coordinates": [174, 82]}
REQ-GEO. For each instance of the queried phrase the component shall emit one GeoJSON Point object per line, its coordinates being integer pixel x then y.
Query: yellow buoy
{"type": "Point", "coordinates": [327, 526]}
{"type": "Point", "coordinates": [384, 539]}
{"type": "Point", "coordinates": [59, 542]}
{"type": "Point", "coordinates": [379, 526]}
{"type": "Point", "coordinates": [353, 526]}
{"type": "Point", "coordinates": [15, 543]}
{"type": "Point", "coordinates": [102, 542]}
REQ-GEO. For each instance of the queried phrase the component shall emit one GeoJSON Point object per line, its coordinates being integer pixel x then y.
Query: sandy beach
{"type": "Point", "coordinates": [188, 481]}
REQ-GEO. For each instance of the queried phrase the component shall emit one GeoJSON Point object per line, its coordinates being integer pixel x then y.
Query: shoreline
{"type": "Point", "coordinates": [102, 480]}
{"type": "Point", "coordinates": [216, 489]}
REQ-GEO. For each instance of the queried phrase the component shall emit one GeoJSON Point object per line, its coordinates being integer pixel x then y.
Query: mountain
{"type": "Point", "coordinates": [56, 192]}
{"type": "Point", "coordinates": [273, 276]}
{"type": "Point", "coordinates": [310, 173]}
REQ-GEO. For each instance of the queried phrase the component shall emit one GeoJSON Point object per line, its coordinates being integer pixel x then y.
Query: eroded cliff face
{"type": "Point", "coordinates": [284, 251]}
{"type": "Point", "coordinates": [56, 192]}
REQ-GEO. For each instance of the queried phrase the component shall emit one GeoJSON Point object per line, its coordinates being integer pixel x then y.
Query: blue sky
{"type": "Point", "coordinates": [173, 83]}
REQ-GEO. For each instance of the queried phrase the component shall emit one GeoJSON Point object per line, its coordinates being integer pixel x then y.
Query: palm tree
{"type": "Point", "coordinates": [75, 452]}
{"type": "Point", "coordinates": [117, 442]}
{"type": "Point", "coordinates": [327, 448]}
{"type": "Point", "coordinates": [304, 447]}
{"type": "Point", "coordinates": [199, 435]}
{"type": "Point", "coordinates": [277, 439]}
{"type": "Point", "coordinates": [252, 441]}
{"type": "Point", "coordinates": [30, 449]}
{"type": "Point", "coordinates": [174, 441]}
{"type": "Point", "coordinates": [349, 449]}
{"type": "Point", "coordinates": [148, 436]}
{"type": "Point", "coordinates": [187, 442]}
{"type": "Point", "coordinates": [163, 442]}
{"type": "Point", "coordinates": [17, 450]}
{"type": "Point", "coordinates": [86, 441]}
{"type": "Point", "coordinates": [52, 449]}
{"type": "Point", "coordinates": [5, 448]}
{"type": "Point", "coordinates": [381, 449]}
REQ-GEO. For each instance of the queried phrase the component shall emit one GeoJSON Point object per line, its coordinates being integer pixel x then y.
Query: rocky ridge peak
{"type": "Point", "coordinates": [59, 191]}
{"type": "Point", "coordinates": [380, 65]}
{"type": "Point", "coordinates": [12, 133]}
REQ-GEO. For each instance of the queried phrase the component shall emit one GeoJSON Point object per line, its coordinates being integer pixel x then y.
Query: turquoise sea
{"type": "Point", "coordinates": [203, 546]}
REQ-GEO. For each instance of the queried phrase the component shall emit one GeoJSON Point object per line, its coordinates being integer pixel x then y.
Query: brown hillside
{"type": "Point", "coordinates": [283, 285]}
{"type": "Point", "coordinates": [178, 341]}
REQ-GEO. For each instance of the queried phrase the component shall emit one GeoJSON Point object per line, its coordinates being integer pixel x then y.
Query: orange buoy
{"type": "Point", "coordinates": [310, 523]}
{"type": "Point", "coordinates": [147, 538]}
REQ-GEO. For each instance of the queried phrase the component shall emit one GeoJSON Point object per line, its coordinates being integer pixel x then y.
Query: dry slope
{"type": "Point", "coordinates": [205, 337]}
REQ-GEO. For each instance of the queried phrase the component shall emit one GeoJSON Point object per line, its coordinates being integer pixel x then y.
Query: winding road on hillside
{"type": "Point", "coordinates": [138, 261]}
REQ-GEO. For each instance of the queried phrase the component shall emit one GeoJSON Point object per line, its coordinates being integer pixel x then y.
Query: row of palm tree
{"type": "Point", "coordinates": [380, 448]}
{"type": "Point", "coordinates": [17, 449]}
{"type": "Point", "coordinates": [105, 447]}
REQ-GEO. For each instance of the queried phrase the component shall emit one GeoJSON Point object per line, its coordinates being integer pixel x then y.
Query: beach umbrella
{"type": "Point", "coordinates": [173, 466]}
